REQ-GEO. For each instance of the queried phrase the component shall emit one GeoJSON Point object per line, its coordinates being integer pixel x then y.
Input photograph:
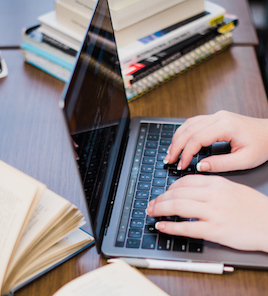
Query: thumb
{"type": "Point", "coordinates": [222, 163]}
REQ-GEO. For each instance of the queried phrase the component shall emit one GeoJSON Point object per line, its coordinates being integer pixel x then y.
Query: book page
{"type": "Point", "coordinates": [68, 246]}
{"type": "Point", "coordinates": [115, 279]}
{"type": "Point", "coordinates": [50, 208]}
{"type": "Point", "coordinates": [19, 194]}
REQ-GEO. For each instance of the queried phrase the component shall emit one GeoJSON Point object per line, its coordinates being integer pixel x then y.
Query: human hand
{"type": "Point", "coordinates": [248, 138]}
{"type": "Point", "coordinates": [228, 213]}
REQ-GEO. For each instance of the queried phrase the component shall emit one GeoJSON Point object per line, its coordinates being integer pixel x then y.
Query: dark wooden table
{"type": "Point", "coordinates": [34, 139]}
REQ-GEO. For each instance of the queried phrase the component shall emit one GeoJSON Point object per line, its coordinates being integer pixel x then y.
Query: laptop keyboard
{"type": "Point", "coordinates": [149, 178]}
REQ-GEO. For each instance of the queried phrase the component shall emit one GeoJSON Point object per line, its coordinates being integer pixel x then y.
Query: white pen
{"type": "Point", "coordinates": [203, 267]}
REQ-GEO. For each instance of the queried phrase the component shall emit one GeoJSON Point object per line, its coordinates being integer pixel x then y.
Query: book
{"type": "Point", "coordinates": [177, 66]}
{"type": "Point", "coordinates": [158, 21]}
{"type": "Point", "coordinates": [127, 13]}
{"type": "Point", "coordinates": [50, 27]}
{"type": "Point", "coordinates": [46, 65]}
{"type": "Point", "coordinates": [158, 60]}
{"type": "Point", "coordinates": [141, 48]}
{"type": "Point", "coordinates": [166, 37]}
{"type": "Point", "coordinates": [113, 279]}
{"type": "Point", "coordinates": [34, 40]}
{"type": "Point", "coordinates": [69, 17]}
{"type": "Point", "coordinates": [39, 229]}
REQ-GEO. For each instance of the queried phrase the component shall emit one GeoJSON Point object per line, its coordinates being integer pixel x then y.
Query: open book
{"type": "Point", "coordinates": [38, 229]}
{"type": "Point", "coordinates": [115, 279]}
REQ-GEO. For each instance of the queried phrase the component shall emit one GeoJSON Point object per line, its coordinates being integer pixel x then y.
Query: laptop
{"type": "Point", "coordinates": [120, 160]}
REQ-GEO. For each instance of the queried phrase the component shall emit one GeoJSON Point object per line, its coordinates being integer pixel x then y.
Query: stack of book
{"type": "Point", "coordinates": [156, 39]}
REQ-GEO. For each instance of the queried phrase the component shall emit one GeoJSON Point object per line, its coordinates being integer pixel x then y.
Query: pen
{"type": "Point", "coordinates": [203, 267]}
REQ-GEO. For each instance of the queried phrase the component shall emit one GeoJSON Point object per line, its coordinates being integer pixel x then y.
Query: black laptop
{"type": "Point", "coordinates": [121, 160]}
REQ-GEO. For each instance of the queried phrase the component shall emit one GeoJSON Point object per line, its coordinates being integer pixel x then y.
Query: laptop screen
{"type": "Point", "coordinates": [98, 115]}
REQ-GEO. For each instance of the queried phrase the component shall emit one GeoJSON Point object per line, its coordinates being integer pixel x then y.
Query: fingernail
{"type": "Point", "coordinates": [202, 166]}
{"type": "Point", "coordinates": [179, 166]}
{"type": "Point", "coordinates": [160, 226]}
{"type": "Point", "coordinates": [166, 159]}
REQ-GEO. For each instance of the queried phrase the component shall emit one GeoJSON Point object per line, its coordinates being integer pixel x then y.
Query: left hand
{"type": "Point", "coordinates": [228, 213]}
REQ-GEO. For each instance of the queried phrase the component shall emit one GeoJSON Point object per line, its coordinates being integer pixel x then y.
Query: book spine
{"type": "Point", "coordinates": [47, 56]}
{"type": "Point", "coordinates": [164, 57]}
{"type": "Point", "coordinates": [83, 6]}
{"type": "Point", "coordinates": [47, 66]}
{"type": "Point", "coordinates": [139, 50]}
{"type": "Point", "coordinates": [58, 45]}
{"type": "Point", "coordinates": [178, 66]}
{"type": "Point", "coordinates": [70, 18]}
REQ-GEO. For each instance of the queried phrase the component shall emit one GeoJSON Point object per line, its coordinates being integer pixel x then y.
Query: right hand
{"type": "Point", "coordinates": [248, 138]}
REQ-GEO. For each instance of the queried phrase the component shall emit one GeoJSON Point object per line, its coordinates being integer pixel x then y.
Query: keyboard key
{"type": "Point", "coordinates": [159, 165]}
{"type": "Point", "coordinates": [164, 242]}
{"type": "Point", "coordinates": [147, 168]}
{"type": "Point", "coordinates": [195, 245]}
{"type": "Point", "coordinates": [161, 157]}
{"type": "Point", "coordinates": [180, 244]}
{"type": "Point", "coordinates": [167, 134]}
{"type": "Point", "coordinates": [151, 144]}
{"type": "Point", "coordinates": [136, 213]}
{"type": "Point", "coordinates": [159, 182]}
{"type": "Point", "coordinates": [145, 177]}
{"type": "Point", "coordinates": [135, 233]}
{"type": "Point", "coordinates": [157, 191]}
{"type": "Point", "coordinates": [151, 220]}
{"type": "Point", "coordinates": [174, 172]}
{"type": "Point", "coordinates": [149, 242]}
{"type": "Point", "coordinates": [153, 137]}
{"type": "Point", "coordinates": [205, 151]}
{"type": "Point", "coordinates": [149, 228]}
{"type": "Point", "coordinates": [142, 194]}
{"type": "Point", "coordinates": [171, 180]}
{"type": "Point", "coordinates": [154, 128]}
{"type": "Point", "coordinates": [136, 223]}
{"type": "Point", "coordinates": [160, 174]}
{"type": "Point", "coordinates": [144, 186]}
{"type": "Point", "coordinates": [163, 149]}
{"type": "Point", "coordinates": [133, 243]}
{"type": "Point", "coordinates": [168, 127]}
{"type": "Point", "coordinates": [140, 204]}
{"type": "Point", "coordinates": [150, 152]}
{"type": "Point", "coordinates": [165, 141]}
{"type": "Point", "coordinates": [148, 160]}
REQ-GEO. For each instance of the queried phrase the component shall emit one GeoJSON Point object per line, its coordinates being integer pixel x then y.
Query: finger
{"type": "Point", "coordinates": [193, 229]}
{"type": "Point", "coordinates": [201, 134]}
{"type": "Point", "coordinates": [192, 181]}
{"type": "Point", "coordinates": [204, 138]}
{"type": "Point", "coordinates": [177, 150]}
{"type": "Point", "coordinates": [189, 122]}
{"type": "Point", "coordinates": [191, 193]}
{"type": "Point", "coordinates": [225, 162]}
{"type": "Point", "coordinates": [178, 207]}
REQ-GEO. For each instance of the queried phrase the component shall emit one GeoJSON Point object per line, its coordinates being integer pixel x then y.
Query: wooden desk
{"type": "Point", "coordinates": [34, 139]}
{"type": "Point", "coordinates": [18, 14]}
